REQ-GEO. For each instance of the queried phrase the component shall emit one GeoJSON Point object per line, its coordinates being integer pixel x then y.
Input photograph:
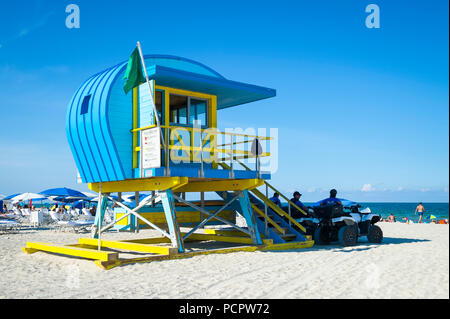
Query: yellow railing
{"type": "Point", "coordinates": [198, 145]}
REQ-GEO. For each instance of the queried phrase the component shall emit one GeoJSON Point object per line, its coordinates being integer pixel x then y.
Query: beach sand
{"type": "Point", "coordinates": [413, 262]}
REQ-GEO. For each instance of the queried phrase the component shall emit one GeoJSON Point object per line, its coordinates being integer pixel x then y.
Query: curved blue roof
{"type": "Point", "coordinates": [98, 121]}
{"type": "Point", "coordinates": [180, 63]}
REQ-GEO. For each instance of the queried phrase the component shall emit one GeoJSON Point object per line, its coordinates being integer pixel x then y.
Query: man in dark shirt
{"type": "Point", "coordinates": [276, 199]}
{"type": "Point", "coordinates": [296, 200]}
{"type": "Point", "coordinates": [332, 199]}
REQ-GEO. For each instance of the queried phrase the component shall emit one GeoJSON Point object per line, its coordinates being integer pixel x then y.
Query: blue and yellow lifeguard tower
{"type": "Point", "coordinates": [119, 147]}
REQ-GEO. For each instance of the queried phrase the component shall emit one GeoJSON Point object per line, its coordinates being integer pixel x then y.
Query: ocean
{"type": "Point", "coordinates": [401, 210]}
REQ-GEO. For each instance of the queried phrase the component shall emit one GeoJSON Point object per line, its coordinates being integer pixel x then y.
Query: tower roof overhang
{"type": "Point", "coordinates": [229, 93]}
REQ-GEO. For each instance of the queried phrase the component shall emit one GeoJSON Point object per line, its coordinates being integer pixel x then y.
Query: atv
{"type": "Point", "coordinates": [341, 223]}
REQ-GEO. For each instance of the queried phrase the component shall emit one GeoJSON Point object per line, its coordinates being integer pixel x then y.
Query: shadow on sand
{"type": "Point", "coordinates": [362, 245]}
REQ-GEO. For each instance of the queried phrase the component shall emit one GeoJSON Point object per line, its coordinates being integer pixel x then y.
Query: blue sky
{"type": "Point", "coordinates": [362, 110]}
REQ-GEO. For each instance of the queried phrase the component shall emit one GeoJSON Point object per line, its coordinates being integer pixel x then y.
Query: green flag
{"type": "Point", "coordinates": [133, 74]}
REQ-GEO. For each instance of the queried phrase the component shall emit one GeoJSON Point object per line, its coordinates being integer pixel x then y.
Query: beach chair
{"type": "Point", "coordinates": [46, 217]}
{"type": "Point", "coordinates": [87, 214]}
{"type": "Point", "coordinates": [10, 215]}
{"type": "Point", "coordinates": [26, 212]}
{"type": "Point", "coordinates": [73, 214]}
{"type": "Point", "coordinates": [76, 226]}
{"type": "Point", "coordinates": [66, 216]}
{"type": "Point", "coordinates": [9, 226]}
{"type": "Point", "coordinates": [22, 215]}
{"type": "Point", "coordinates": [80, 225]}
{"type": "Point", "coordinates": [36, 218]}
{"type": "Point", "coordinates": [17, 212]}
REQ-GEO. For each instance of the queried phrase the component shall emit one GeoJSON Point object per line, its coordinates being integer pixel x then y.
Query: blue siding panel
{"type": "Point", "coordinates": [74, 113]}
{"type": "Point", "coordinates": [97, 129]}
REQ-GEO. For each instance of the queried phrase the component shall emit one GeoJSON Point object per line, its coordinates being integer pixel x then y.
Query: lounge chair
{"type": "Point", "coordinates": [36, 218]}
{"type": "Point", "coordinates": [9, 226]}
{"type": "Point", "coordinates": [17, 212]}
{"type": "Point", "coordinates": [63, 225]}
{"type": "Point", "coordinates": [26, 212]}
{"type": "Point", "coordinates": [87, 214]}
{"type": "Point", "coordinates": [74, 214]}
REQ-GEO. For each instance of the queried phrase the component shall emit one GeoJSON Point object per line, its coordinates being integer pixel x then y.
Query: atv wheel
{"type": "Point", "coordinates": [348, 236]}
{"type": "Point", "coordinates": [375, 234]}
{"type": "Point", "coordinates": [321, 236]}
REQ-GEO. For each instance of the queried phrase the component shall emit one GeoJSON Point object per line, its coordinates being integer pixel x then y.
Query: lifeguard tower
{"type": "Point", "coordinates": [119, 148]}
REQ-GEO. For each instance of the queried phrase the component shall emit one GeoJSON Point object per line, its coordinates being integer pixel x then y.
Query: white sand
{"type": "Point", "coordinates": [413, 262]}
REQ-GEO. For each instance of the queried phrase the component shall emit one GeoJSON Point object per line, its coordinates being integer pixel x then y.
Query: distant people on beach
{"type": "Point", "coordinates": [407, 220]}
{"type": "Point", "coordinates": [420, 210]}
{"type": "Point", "coordinates": [93, 210]}
{"type": "Point", "coordinates": [391, 218]}
{"type": "Point", "coordinates": [276, 199]}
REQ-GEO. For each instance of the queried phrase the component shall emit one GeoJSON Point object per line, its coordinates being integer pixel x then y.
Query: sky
{"type": "Point", "coordinates": [365, 111]}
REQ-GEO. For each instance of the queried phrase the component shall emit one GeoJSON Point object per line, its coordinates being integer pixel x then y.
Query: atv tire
{"type": "Point", "coordinates": [348, 235]}
{"type": "Point", "coordinates": [321, 236]}
{"type": "Point", "coordinates": [375, 234]}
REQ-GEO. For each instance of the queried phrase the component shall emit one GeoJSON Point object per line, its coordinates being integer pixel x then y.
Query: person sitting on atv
{"type": "Point", "coordinates": [332, 200]}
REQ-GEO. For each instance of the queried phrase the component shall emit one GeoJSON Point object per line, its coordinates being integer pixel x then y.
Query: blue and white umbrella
{"type": "Point", "coordinates": [10, 196]}
{"type": "Point", "coordinates": [63, 192]}
{"type": "Point", "coordinates": [345, 202]}
{"type": "Point", "coordinates": [27, 196]}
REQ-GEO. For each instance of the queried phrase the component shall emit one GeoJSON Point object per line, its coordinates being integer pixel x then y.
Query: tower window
{"type": "Point", "coordinates": [85, 104]}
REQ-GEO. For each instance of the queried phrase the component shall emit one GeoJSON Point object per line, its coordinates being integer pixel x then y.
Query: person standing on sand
{"type": "Point", "coordinates": [420, 210]}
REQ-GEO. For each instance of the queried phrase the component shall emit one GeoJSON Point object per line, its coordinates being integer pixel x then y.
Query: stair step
{"type": "Point", "coordinates": [286, 231]}
{"type": "Point", "coordinates": [289, 237]}
{"type": "Point", "coordinates": [272, 226]}
{"type": "Point", "coordinates": [270, 216]}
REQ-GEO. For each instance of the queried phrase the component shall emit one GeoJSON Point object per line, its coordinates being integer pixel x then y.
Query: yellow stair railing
{"type": "Point", "coordinates": [277, 191]}
{"type": "Point", "coordinates": [269, 203]}
{"type": "Point", "coordinates": [275, 208]}
{"type": "Point", "coordinates": [269, 220]}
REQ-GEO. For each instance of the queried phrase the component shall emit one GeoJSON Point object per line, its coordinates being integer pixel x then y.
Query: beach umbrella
{"type": "Point", "coordinates": [63, 192]}
{"type": "Point", "coordinates": [87, 194]}
{"type": "Point", "coordinates": [62, 199]}
{"type": "Point", "coordinates": [95, 199]}
{"type": "Point", "coordinates": [78, 204]}
{"type": "Point", "coordinates": [28, 196]}
{"type": "Point", "coordinates": [60, 194]}
{"type": "Point", "coordinates": [11, 196]}
{"type": "Point", "coordinates": [345, 202]}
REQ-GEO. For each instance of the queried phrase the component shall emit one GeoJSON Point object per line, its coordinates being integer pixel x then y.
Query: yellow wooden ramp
{"type": "Point", "coordinates": [145, 248]}
{"type": "Point", "coordinates": [72, 251]}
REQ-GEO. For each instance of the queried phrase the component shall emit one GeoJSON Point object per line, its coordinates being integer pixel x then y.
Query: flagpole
{"type": "Point", "coordinates": [151, 96]}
